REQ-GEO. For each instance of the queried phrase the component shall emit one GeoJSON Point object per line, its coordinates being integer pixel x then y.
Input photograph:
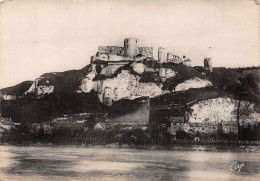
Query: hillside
{"type": "Point", "coordinates": [126, 82]}
{"type": "Point", "coordinates": [17, 90]}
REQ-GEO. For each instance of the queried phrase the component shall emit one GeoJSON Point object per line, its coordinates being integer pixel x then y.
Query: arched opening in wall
{"type": "Point", "coordinates": [136, 41]}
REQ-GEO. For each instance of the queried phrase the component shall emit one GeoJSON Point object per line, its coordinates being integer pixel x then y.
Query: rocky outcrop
{"type": "Point", "coordinates": [126, 85]}
{"type": "Point", "coordinates": [193, 83]}
{"type": "Point", "coordinates": [40, 89]}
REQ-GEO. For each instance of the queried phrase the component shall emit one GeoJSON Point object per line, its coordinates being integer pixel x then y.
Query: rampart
{"type": "Point", "coordinates": [111, 50]}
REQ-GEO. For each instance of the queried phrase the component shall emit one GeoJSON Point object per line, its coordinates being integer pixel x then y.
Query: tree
{"type": "Point", "coordinates": [181, 134]}
{"type": "Point", "coordinates": [242, 91]}
{"type": "Point", "coordinates": [91, 122]}
{"type": "Point", "coordinates": [220, 131]}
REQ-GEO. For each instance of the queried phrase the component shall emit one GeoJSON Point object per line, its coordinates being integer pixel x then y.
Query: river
{"type": "Point", "coordinates": [69, 163]}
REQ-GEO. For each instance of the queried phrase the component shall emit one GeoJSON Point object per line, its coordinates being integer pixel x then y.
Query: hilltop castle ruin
{"type": "Point", "coordinates": [111, 66]}
{"type": "Point", "coordinates": [132, 52]}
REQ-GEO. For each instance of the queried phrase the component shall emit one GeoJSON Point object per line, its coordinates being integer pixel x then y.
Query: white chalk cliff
{"type": "Point", "coordinates": [221, 109]}
{"type": "Point", "coordinates": [127, 85]}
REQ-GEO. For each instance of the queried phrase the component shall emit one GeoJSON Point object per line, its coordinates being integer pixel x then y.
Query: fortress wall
{"type": "Point", "coordinates": [146, 51]}
{"type": "Point", "coordinates": [187, 62]}
{"type": "Point", "coordinates": [170, 57]}
{"type": "Point", "coordinates": [111, 50]}
{"type": "Point", "coordinates": [138, 117]}
{"type": "Point", "coordinates": [173, 58]}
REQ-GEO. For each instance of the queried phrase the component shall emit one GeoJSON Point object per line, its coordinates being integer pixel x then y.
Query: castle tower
{"type": "Point", "coordinates": [162, 72]}
{"type": "Point", "coordinates": [162, 55]}
{"type": "Point", "coordinates": [131, 46]}
{"type": "Point", "coordinates": [107, 100]}
{"type": "Point", "coordinates": [208, 64]}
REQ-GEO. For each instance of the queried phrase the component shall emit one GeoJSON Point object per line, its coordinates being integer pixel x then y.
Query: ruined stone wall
{"type": "Point", "coordinates": [173, 58]}
{"type": "Point", "coordinates": [111, 50]}
{"type": "Point", "coordinates": [146, 51]}
{"type": "Point", "coordinates": [138, 117]}
{"type": "Point", "coordinates": [187, 62]}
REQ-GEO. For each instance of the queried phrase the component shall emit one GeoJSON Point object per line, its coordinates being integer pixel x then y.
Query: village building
{"type": "Point", "coordinates": [2, 131]}
{"type": "Point", "coordinates": [229, 127]}
{"type": "Point", "coordinates": [101, 125]}
{"type": "Point", "coordinates": [176, 124]}
{"type": "Point", "coordinates": [6, 124]}
{"type": "Point", "coordinates": [204, 127]}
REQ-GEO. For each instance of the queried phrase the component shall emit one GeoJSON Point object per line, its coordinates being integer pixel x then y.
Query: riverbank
{"type": "Point", "coordinates": [172, 147]}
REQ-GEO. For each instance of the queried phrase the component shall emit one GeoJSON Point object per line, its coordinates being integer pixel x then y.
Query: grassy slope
{"type": "Point", "coordinates": [67, 81]}
{"type": "Point", "coordinates": [18, 89]}
{"type": "Point", "coordinates": [228, 79]}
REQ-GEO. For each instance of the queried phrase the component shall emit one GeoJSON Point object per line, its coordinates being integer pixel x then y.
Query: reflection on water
{"type": "Point", "coordinates": [67, 163]}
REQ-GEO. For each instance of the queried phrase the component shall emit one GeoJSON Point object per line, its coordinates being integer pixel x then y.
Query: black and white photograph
{"type": "Point", "coordinates": [129, 90]}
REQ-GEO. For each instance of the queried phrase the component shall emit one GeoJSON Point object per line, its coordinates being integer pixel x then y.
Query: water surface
{"type": "Point", "coordinates": [68, 163]}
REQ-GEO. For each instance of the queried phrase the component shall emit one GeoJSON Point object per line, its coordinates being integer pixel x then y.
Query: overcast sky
{"type": "Point", "coordinates": [58, 35]}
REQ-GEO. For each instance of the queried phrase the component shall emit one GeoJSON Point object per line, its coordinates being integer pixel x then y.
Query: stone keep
{"type": "Point", "coordinates": [131, 46]}
{"type": "Point", "coordinates": [208, 64]}
{"type": "Point", "coordinates": [162, 55]}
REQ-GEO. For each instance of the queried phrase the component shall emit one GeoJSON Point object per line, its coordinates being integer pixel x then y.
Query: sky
{"type": "Point", "coordinates": [43, 36]}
